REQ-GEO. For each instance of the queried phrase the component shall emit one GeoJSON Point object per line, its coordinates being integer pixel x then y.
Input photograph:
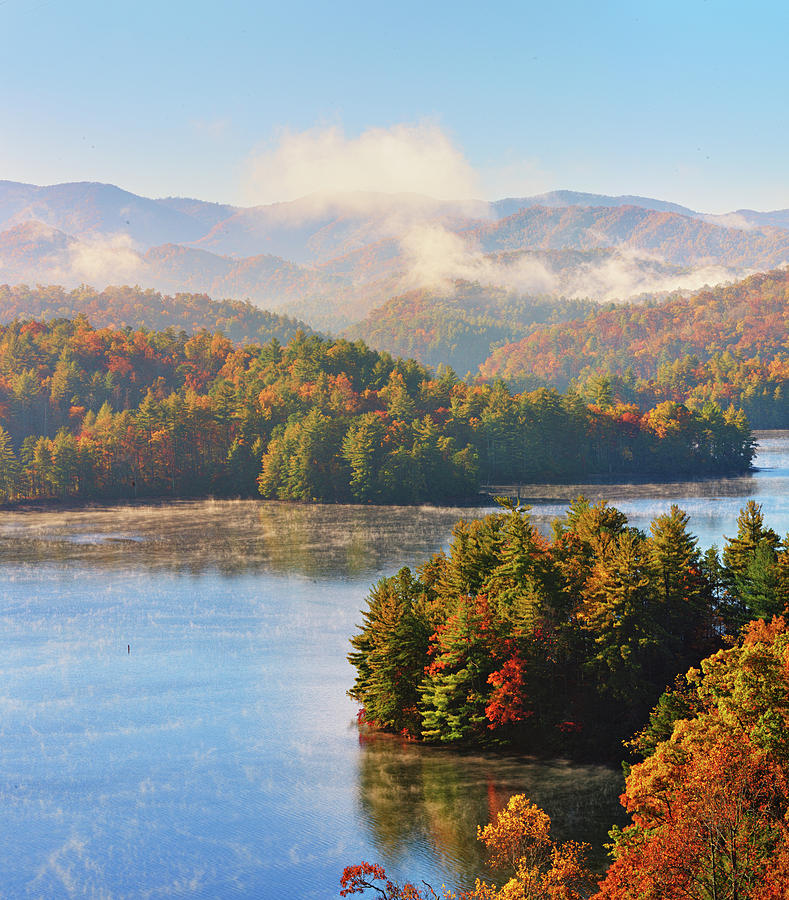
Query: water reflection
{"type": "Point", "coordinates": [428, 802]}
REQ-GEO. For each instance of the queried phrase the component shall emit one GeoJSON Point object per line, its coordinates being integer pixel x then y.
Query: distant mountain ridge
{"type": "Point", "coordinates": [35, 253]}
{"type": "Point", "coordinates": [677, 239]}
{"type": "Point", "coordinates": [560, 199]}
{"type": "Point", "coordinates": [86, 208]}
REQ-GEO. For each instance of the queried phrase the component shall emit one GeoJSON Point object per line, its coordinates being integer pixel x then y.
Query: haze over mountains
{"type": "Point", "coordinates": [333, 259]}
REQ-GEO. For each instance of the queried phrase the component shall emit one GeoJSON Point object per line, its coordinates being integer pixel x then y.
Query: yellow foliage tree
{"type": "Point", "coordinates": [519, 839]}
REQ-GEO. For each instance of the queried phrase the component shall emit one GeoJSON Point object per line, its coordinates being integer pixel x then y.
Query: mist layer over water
{"type": "Point", "coordinates": [173, 718]}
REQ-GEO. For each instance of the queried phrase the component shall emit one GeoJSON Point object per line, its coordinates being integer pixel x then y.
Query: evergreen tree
{"type": "Point", "coordinates": [390, 652]}
{"type": "Point", "coordinates": [621, 616]}
{"type": "Point", "coordinates": [456, 691]}
{"type": "Point", "coordinates": [685, 611]}
{"type": "Point", "coordinates": [749, 560]}
{"type": "Point", "coordinates": [9, 466]}
{"type": "Point", "coordinates": [362, 448]}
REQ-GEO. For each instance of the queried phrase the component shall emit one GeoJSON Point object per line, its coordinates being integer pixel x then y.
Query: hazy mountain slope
{"type": "Point", "coordinates": [739, 218]}
{"type": "Point", "coordinates": [24, 247]}
{"type": "Point", "coordinates": [342, 291]}
{"type": "Point", "coordinates": [120, 306]}
{"type": "Point", "coordinates": [676, 239]}
{"type": "Point", "coordinates": [13, 197]}
{"type": "Point", "coordinates": [749, 318]}
{"type": "Point", "coordinates": [334, 258]}
{"type": "Point", "coordinates": [36, 253]}
{"type": "Point", "coordinates": [778, 218]}
{"type": "Point", "coordinates": [319, 227]}
{"type": "Point", "coordinates": [208, 214]}
{"type": "Point", "coordinates": [265, 279]}
{"type": "Point", "coordinates": [750, 218]}
{"type": "Point", "coordinates": [368, 263]}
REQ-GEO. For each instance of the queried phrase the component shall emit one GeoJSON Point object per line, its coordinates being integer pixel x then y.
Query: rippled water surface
{"type": "Point", "coordinates": [173, 718]}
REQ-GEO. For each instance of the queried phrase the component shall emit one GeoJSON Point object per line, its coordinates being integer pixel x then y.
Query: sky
{"type": "Point", "coordinates": [246, 103]}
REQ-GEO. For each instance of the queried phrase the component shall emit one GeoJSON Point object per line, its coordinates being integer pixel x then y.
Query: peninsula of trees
{"type": "Point", "coordinates": [560, 645]}
{"type": "Point", "coordinates": [564, 645]}
{"type": "Point", "coordinates": [122, 413]}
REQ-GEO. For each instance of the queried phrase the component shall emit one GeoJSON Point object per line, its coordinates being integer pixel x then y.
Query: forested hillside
{"type": "Point", "coordinates": [728, 344]}
{"type": "Point", "coordinates": [125, 306]}
{"type": "Point", "coordinates": [121, 413]}
{"type": "Point", "coordinates": [460, 326]}
{"type": "Point", "coordinates": [681, 240]}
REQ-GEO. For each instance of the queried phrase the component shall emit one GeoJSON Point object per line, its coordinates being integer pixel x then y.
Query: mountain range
{"type": "Point", "coordinates": [333, 259]}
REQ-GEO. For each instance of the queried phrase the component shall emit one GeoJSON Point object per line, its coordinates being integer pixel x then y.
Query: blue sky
{"type": "Point", "coordinates": [686, 101]}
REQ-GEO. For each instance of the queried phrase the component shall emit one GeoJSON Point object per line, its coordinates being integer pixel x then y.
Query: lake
{"type": "Point", "coordinates": [173, 717]}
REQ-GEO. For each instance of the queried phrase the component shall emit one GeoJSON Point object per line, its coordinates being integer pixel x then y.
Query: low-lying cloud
{"type": "Point", "coordinates": [103, 259]}
{"type": "Point", "coordinates": [627, 274]}
{"type": "Point", "coordinates": [436, 257]}
{"type": "Point", "coordinates": [43, 252]}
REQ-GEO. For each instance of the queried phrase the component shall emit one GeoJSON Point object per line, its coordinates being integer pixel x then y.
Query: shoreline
{"type": "Point", "coordinates": [486, 497]}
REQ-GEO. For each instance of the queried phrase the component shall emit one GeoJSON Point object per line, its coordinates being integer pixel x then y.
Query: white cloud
{"type": "Point", "coordinates": [104, 259]}
{"type": "Point", "coordinates": [98, 260]}
{"type": "Point", "coordinates": [406, 158]}
{"type": "Point", "coordinates": [731, 220]}
{"type": "Point", "coordinates": [627, 274]}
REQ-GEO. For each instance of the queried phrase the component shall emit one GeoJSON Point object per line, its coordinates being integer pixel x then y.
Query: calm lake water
{"type": "Point", "coordinates": [219, 757]}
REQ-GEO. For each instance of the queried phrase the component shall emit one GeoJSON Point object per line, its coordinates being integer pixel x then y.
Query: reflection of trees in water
{"type": "Point", "coordinates": [413, 796]}
{"type": "Point", "coordinates": [232, 537]}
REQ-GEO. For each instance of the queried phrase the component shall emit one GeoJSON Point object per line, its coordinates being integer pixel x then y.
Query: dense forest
{"type": "Point", "coordinates": [129, 413]}
{"type": "Point", "coordinates": [565, 644]}
{"type": "Point", "coordinates": [727, 344]}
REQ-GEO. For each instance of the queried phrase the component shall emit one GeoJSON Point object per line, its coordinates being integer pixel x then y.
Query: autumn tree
{"type": "Point", "coordinates": [519, 842]}
{"type": "Point", "coordinates": [371, 877]}
{"type": "Point", "coordinates": [709, 805]}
